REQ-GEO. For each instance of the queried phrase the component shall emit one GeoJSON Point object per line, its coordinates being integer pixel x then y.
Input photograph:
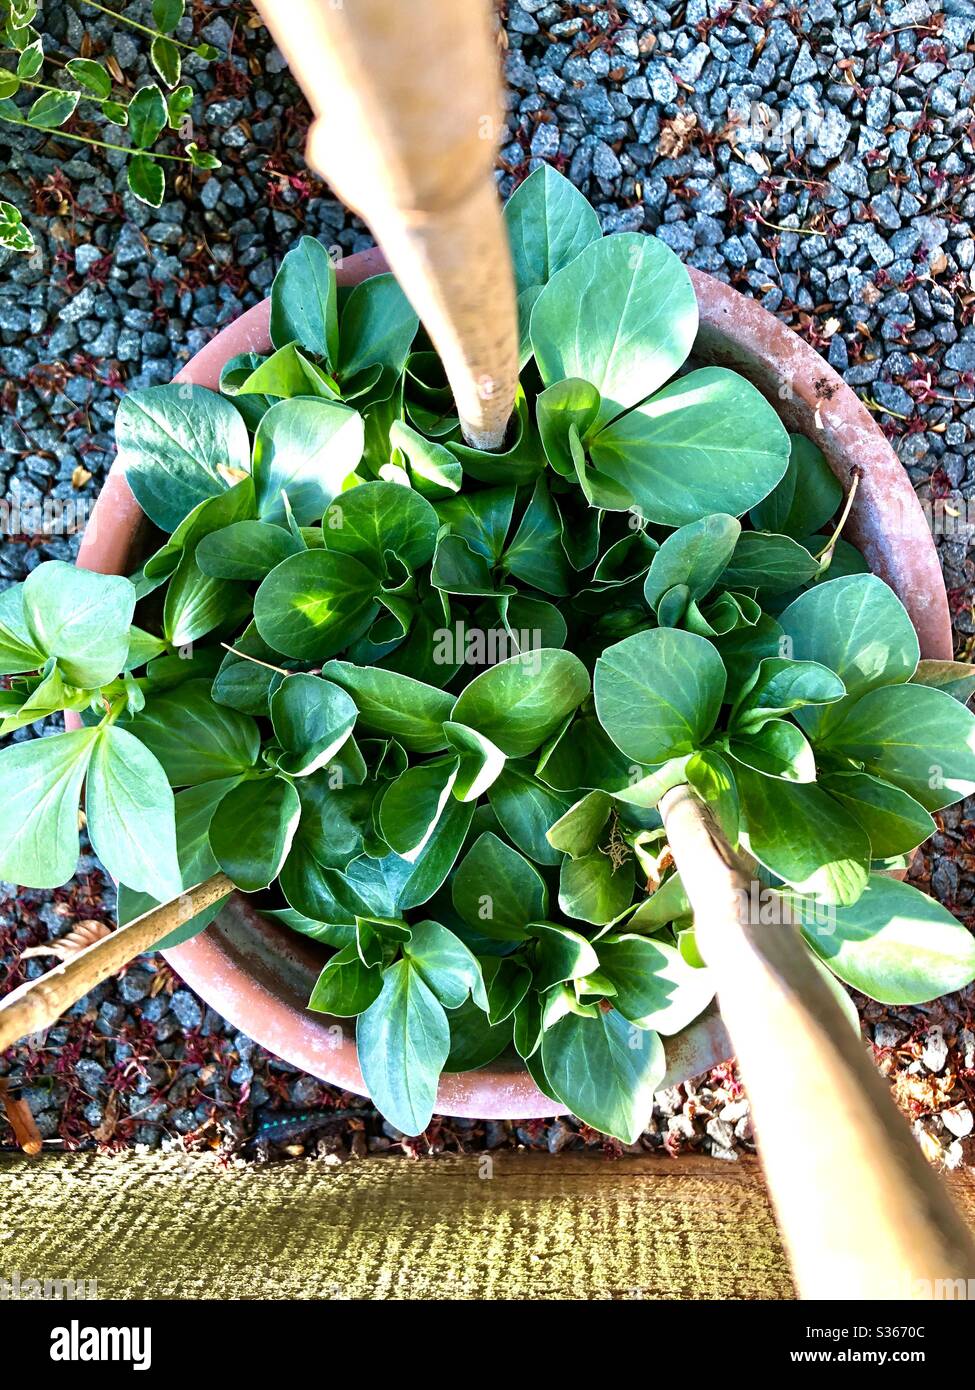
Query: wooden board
{"type": "Point", "coordinates": [502, 1226]}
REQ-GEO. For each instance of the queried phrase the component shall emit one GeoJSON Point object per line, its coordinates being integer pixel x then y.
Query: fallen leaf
{"type": "Point", "coordinates": [107, 1128]}
{"type": "Point", "coordinates": [675, 134]}
{"type": "Point", "coordinates": [80, 477]}
{"type": "Point", "coordinates": [81, 935]}
{"type": "Point", "coordinates": [21, 1120]}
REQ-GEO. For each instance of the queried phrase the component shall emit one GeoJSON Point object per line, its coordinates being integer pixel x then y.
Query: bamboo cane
{"type": "Point", "coordinates": [37, 1004]}
{"type": "Point", "coordinates": [407, 102]}
{"type": "Point", "coordinates": [861, 1212]}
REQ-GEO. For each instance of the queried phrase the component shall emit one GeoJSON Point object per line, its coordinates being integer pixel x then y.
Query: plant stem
{"type": "Point", "coordinates": [144, 28]}
{"type": "Point", "coordinates": [257, 662]}
{"type": "Point", "coordinates": [101, 144]}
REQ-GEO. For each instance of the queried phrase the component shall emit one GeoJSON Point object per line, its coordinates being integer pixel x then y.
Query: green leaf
{"type": "Point", "coordinates": [391, 703]}
{"type": "Point", "coordinates": [806, 496]}
{"type": "Point", "coordinates": [413, 804]}
{"type": "Point", "coordinates": [775, 564]}
{"type": "Point", "coordinates": [166, 60]}
{"type": "Point", "coordinates": [346, 987]}
{"type": "Point", "coordinates": [655, 987]}
{"type": "Point", "coordinates": [496, 890]}
{"type": "Point", "coordinates": [714, 781]}
{"type": "Point", "coordinates": [81, 618]}
{"type": "Point", "coordinates": [40, 783]}
{"type": "Point", "coordinates": [658, 693]}
{"type": "Point", "coordinates": [378, 325]}
{"type": "Point", "coordinates": [694, 556]}
{"type": "Point", "coordinates": [480, 761]}
{"type": "Point", "coordinates": [445, 964]}
{"type": "Point", "coordinates": [314, 604]}
{"type": "Point", "coordinates": [176, 444]}
{"type": "Point", "coordinates": [777, 748]}
{"type": "Point", "coordinates": [859, 628]}
{"type": "Point", "coordinates": [548, 223]}
{"type": "Point", "coordinates": [31, 60]}
{"type": "Point", "coordinates": [200, 159]}
{"type": "Point", "coordinates": [708, 442]}
{"type": "Point", "coordinates": [956, 678]}
{"type": "Point", "coordinates": [605, 1070]}
{"type": "Point", "coordinates": [593, 889]}
{"type": "Point", "coordinates": [306, 448]}
{"type": "Point", "coordinates": [780, 687]}
{"type": "Point", "coordinates": [52, 109]}
{"type": "Point", "coordinates": [535, 555]}
{"type": "Point", "coordinates": [507, 981]}
{"type": "Point", "coordinates": [13, 234]}
{"type": "Point", "coordinates": [9, 87]}
{"type": "Point", "coordinates": [582, 756]}
{"type": "Point", "coordinates": [286, 373]}
{"type": "Point", "coordinates": [166, 14]}
{"type": "Point", "coordinates": [377, 519]}
{"type": "Point", "coordinates": [430, 468]}
{"type": "Point", "coordinates": [622, 315]}
{"type": "Point", "coordinates": [130, 814]}
{"type": "Point", "coordinates": [421, 879]}
{"type": "Point", "coordinates": [578, 831]}
{"type": "Point", "coordinates": [893, 944]}
{"type": "Point", "coordinates": [403, 1040]}
{"type": "Point", "coordinates": [560, 954]}
{"type": "Point", "coordinates": [194, 739]}
{"type": "Point", "coordinates": [147, 116]}
{"type": "Point", "coordinates": [895, 822]}
{"type": "Point", "coordinates": [117, 114]}
{"type": "Point", "coordinates": [804, 837]}
{"type": "Point", "coordinates": [252, 830]}
{"type": "Point", "coordinates": [525, 809]}
{"type": "Point", "coordinates": [304, 301]}
{"type": "Point", "coordinates": [459, 569]}
{"type": "Point", "coordinates": [45, 699]}
{"type": "Point", "coordinates": [312, 719]}
{"type": "Point", "coordinates": [146, 180]}
{"type": "Point", "coordinates": [920, 739]}
{"type": "Point", "coordinates": [196, 604]}
{"type": "Point", "coordinates": [564, 405]}
{"type": "Point", "coordinates": [474, 1041]}
{"type": "Point", "coordinates": [245, 550]}
{"type": "Point", "coordinates": [522, 701]}
{"type": "Point", "coordinates": [207, 52]}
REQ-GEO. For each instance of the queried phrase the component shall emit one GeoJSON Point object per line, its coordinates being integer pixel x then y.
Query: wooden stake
{"type": "Point", "coordinates": [407, 100]}
{"type": "Point", "coordinates": [861, 1212]}
{"type": "Point", "coordinates": [37, 1004]}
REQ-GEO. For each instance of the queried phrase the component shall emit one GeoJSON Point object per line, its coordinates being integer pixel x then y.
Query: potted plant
{"type": "Point", "coordinates": [420, 701]}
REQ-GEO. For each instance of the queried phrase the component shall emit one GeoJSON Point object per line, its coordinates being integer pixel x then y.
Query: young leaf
{"type": "Point", "coordinates": [445, 964]}
{"type": "Point", "coordinates": [893, 944]}
{"type": "Point", "coordinates": [304, 301]}
{"type": "Point", "coordinates": [314, 604]}
{"type": "Point", "coordinates": [378, 325]}
{"type": "Point", "coordinates": [708, 442]}
{"type": "Point", "coordinates": [594, 889]}
{"type": "Point", "coordinates": [535, 555]}
{"type": "Point", "coordinates": [578, 831]}
{"type": "Point", "coordinates": [403, 1040]}
{"type": "Point", "coordinates": [13, 234]}
{"type": "Point", "coordinates": [780, 687]}
{"type": "Point", "coordinates": [312, 719]}
{"type": "Point", "coordinates": [391, 703]}
{"type": "Point", "coordinates": [775, 564]}
{"type": "Point", "coordinates": [778, 749]}
{"type": "Point", "coordinates": [252, 830]}
{"type": "Point", "coordinates": [658, 693]}
{"type": "Point", "coordinates": [506, 981]}
{"type": "Point", "coordinates": [81, 618]}
{"type": "Point", "coordinates": [147, 116]}
{"type": "Point", "coordinates": [655, 987]}
{"type": "Point", "coordinates": [695, 556]}
{"type": "Point", "coordinates": [520, 702]}
{"type": "Point", "coordinates": [605, 1070]}
{"type": "Point", "coordinates": [173, 441]}
{"type": "Point", "coordinates": [200, 159]}
{"type": "Point", "coordinates": [130, 813]}
{"type": "Point", "coordinates": [346, 987]}
{"type": "Point", "coordinates": [40, 783]}
{"type": "Point", "coordinates": [622, 315]}
{"type": "Point", "coordinates": [496, 890]}
{"type": "Point", "coordinates": [305, 448]}
{"type": "Point", "coordinates": [859, 628]}
{"type": "Point", "coordinates": [560, 954]}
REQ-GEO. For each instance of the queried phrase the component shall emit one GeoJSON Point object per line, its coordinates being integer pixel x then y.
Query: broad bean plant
{"type": "Point", "coordinates": [423, 700]}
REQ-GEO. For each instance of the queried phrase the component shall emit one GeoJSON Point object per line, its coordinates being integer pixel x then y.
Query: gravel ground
{"type": "Point", "coordinates": [819, 156]}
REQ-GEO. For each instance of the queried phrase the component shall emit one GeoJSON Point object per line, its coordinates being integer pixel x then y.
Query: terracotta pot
{"type": "Point", "coordinates": [259, 974]}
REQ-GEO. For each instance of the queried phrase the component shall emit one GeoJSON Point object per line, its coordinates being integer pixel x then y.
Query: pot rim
{"type": "Point", "coordinates": [255, 971]}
